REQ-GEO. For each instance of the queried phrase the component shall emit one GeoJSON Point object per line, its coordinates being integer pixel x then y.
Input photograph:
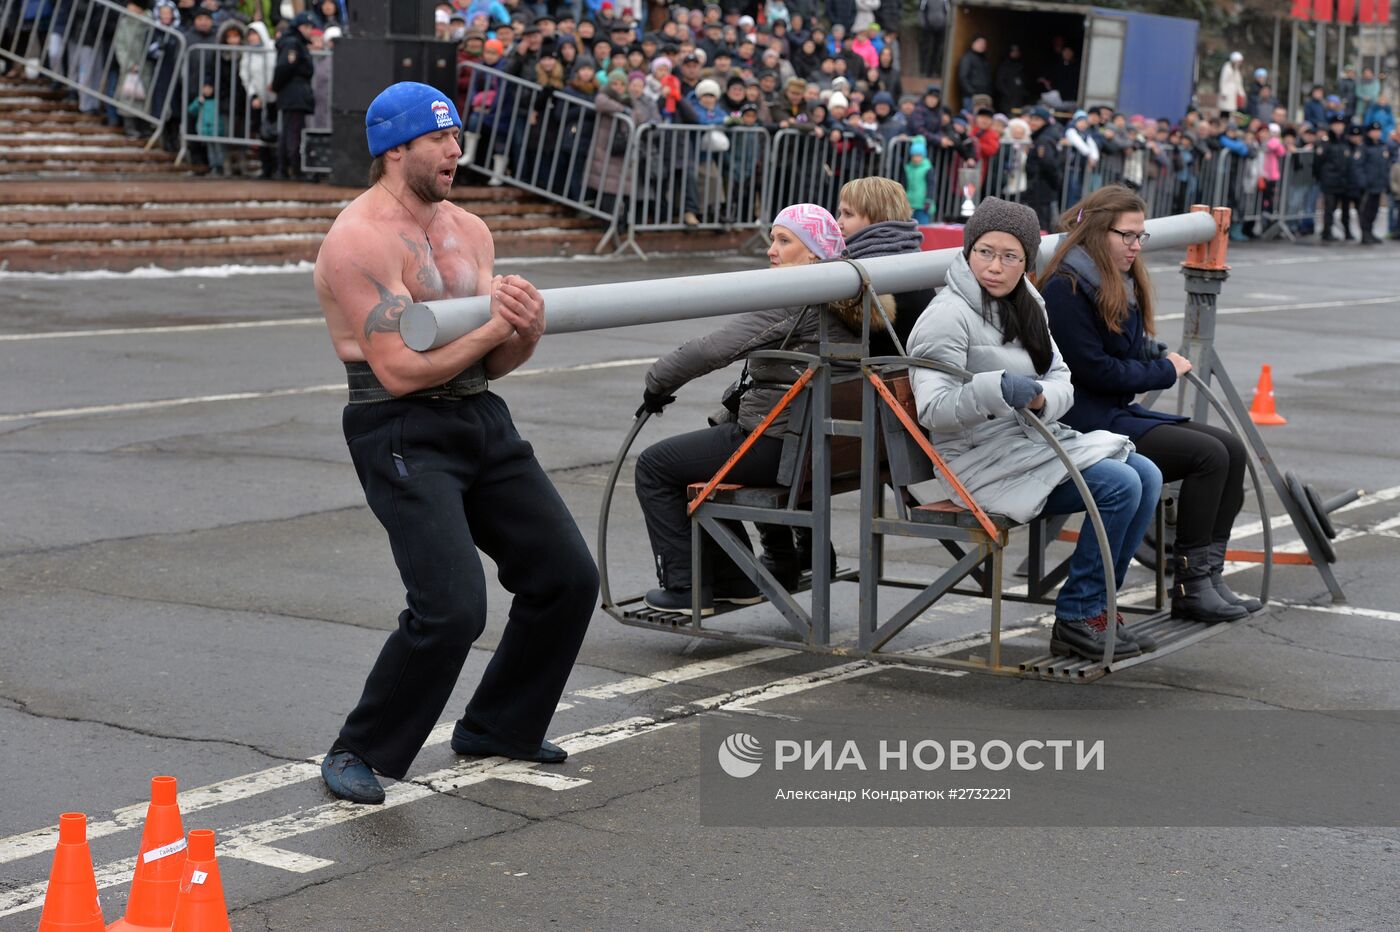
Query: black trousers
{"type": "Point", "coordinates": [1044, 212]}
{"type": "Point", "coordinates": [447, 478]}
{"type": "Point", "coordinates": [1330, 203]}
{"type": "Point", "coordinates": [1370, 207]}
{"type": "Point", "coordinates": [289, 143]}
{"type": "Point", "coordinates": [665, 469]}
{"type": "Point", "coordinates": [931, 52]}
{"type": "Point", "coordinates": [1210, 463]}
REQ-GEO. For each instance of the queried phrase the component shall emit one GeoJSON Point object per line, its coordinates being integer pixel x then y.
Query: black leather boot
{"type": "Point", "coordinates": [1193, 596]}
{"type": "Point", "coordinates": [805, 558]}
{"type": "Point", "coordinates": [779, 554]}
{"type": "Point", "coordinates": [1217, 579]}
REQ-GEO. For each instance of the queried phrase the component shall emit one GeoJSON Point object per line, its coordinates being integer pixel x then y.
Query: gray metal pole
{"type": "Point", "coordinates": [1320, 53]}
{"type": "Point", "coordinates": [1273, 64]}
{"type": "Point", "coordinates": [1295, 100]}
{"type": "Point", "coordinates": [626, 304]}
{"type": "Point", "coordinates": [1341, 49]}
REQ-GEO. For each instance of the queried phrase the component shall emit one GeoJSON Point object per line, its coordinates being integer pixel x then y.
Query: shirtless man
{"type": "Point", "coordinates": [441, 463]}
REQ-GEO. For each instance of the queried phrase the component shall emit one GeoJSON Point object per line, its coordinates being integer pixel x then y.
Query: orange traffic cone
{"type": "Point", "coordinates": [1262, 410]}
{"type": "Point", "coordinates": [159, 862]}
{"type": "Point", "coordinates": [71, 903]}
{"type": "Point", "coordinates": [199, 906]}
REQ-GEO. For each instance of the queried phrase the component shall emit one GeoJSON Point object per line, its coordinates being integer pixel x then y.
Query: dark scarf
{"type": "Point", "coordinates": [888, 238]}
{"type": "Point", "coordinates": [1086, 274]}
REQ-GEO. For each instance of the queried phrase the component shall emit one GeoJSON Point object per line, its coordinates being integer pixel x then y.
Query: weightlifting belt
{"type": "Point", "coordinates": [365, 387]}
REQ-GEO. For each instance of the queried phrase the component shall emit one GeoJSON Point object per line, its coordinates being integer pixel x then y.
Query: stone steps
{"type": "Point", "coordinates": [125, 223]}
{"type": "Point", "coordinates": [62, 136]}
{"type": "Point", "coordinates": [74, 144]}
{"type": "Point", "coordinates": [11, 90]}
{"type": "Point", "coordinates": [77, 194]}
{"type": "Point", "coordinates": [97, 235]}
{"type": "Point", "coordinates": [43, 215]}
{"type": "Point", "coordinates": [22, 155]}
{"type": "Point", "coordinates": [130, 255]}
{"type": "Point", "coordinates": [57, 166]}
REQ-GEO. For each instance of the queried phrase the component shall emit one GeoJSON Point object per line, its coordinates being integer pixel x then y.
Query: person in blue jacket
{"type": "Point", "coordinates": [1099, 301]}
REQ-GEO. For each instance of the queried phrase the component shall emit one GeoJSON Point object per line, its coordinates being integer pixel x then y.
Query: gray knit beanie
{"type": "Point", "coordinates": [994, 215]}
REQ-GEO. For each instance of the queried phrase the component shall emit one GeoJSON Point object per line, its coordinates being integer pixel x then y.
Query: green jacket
{"type": "Point", "coordinates": [916, 183]}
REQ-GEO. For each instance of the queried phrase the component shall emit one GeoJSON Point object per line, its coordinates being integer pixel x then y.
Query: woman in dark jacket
{"type": "Point", "coordinates": [802, 234]}
{"type": "Point", "coordinates": [1099, 300]}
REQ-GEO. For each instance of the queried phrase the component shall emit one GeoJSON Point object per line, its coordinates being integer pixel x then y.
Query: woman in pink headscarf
{"type": "Point", "coordinates": [802, 234]}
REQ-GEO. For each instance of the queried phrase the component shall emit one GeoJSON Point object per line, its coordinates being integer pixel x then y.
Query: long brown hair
{"type": "Point", "coordinates": [1088, 224]}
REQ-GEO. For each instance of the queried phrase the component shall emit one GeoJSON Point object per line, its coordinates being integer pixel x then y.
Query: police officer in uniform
{"type": "Point", "coordinates": [1332, 168]}
{"type": "Point", "coordinates": [1375, 179]}
{"type": "Point", "coordinates": [1044, 177]}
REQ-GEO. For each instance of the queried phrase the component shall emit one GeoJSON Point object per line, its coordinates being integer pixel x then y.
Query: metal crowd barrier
{"type": "Point", "coordinates": [714, 174]}
{"type": "Point", "coordinates": [1294, 209]}
{"type": "Point", "coordinates": [91, 47]}
{"type": "Point", "coordinates": [235, 73]}
{"type": "Point", "coordinates": [551, 142]}
{"type": "Point", "coordinates": [807, 168]}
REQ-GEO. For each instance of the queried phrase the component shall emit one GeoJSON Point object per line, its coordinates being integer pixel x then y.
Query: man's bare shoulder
{"type": "Point", "coordinates": [354, 227]}
{"type": "Point", "coordinates": [471, 228]}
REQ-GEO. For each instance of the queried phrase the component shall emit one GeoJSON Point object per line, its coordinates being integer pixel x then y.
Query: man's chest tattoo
{"type": "Point", "coordinates": [427, 274]}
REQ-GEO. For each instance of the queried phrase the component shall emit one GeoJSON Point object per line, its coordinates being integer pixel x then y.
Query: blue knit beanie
{"type": "Point", "coordinates": [402, 112]}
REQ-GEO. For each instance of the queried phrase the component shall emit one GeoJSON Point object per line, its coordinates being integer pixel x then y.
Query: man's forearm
{"type": "Point", "coordinates": [508, 356]}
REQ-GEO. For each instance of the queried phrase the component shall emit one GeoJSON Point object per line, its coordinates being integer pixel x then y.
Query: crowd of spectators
{"type": "Point", "coordinates": [1343, 147]}
{"type": "Point", "coordinates": [264, 84]}
{"type": "Point", "coordinates": [838, 78]}
{"type": "Point", "coordinates": [830, 71]}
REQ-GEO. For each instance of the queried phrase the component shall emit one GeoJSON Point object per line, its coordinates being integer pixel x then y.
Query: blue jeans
{"type": "Point", "coordinates": [1126, 495]}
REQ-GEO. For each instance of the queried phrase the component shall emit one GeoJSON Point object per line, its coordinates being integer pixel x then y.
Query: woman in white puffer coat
{"type": "Point", "coordinates": [991, 322]}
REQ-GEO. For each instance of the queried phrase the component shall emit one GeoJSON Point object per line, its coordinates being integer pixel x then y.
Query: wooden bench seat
{"type": "Point", "coordinates": [948, 513]}
{"type": "Point", "coordinates": [761, 496]}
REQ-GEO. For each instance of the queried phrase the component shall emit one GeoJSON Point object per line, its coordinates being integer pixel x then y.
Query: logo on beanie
{"type": "Point", "coordinates": [443, 114]}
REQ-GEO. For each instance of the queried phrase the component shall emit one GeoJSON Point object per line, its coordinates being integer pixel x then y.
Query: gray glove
{"type": "Point", "coordinates": [1019, 390]}
{"type": "Point", "coordinates": [1154, 349]}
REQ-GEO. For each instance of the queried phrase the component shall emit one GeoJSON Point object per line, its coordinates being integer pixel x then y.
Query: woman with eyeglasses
{"type": "Point", "coordinates": [1099, 299]}
{"type": "Point", "coordinates": [990, 321]}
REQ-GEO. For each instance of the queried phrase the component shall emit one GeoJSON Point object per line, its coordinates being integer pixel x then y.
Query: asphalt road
{"type": "Point", "coordinates": [190, 584]}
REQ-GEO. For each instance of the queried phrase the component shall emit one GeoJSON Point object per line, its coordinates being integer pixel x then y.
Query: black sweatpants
{"type": "Point", "coordinates": [446, 478]}
{"type": "Point", "coordinates": [665, 469]}
{"type": "Point", "coordinates": [1210, 462]}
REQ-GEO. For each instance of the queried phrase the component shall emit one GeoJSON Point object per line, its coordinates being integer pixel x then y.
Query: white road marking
{"type": "Point", "coordinates": [196, 799]}
{"type": "Point", "coordinates": [1376, 613]}
{"type": "Point", "coordinates": [130, 406]}
{"type": "Point", "coordinates": [268, 856]}
{"type": "Point", "coordinates": [42, 841]}
{"type": "Point", "coordinates": [690, 671]}
{"type": "Point", "coordinates": [254, 841]}
{"type": "Point", "coordinates": [169, 328]}
{"type": "Point", "coordinates": [1304, 306]}
{"type": "Point", "coordinates": [248, 844]}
